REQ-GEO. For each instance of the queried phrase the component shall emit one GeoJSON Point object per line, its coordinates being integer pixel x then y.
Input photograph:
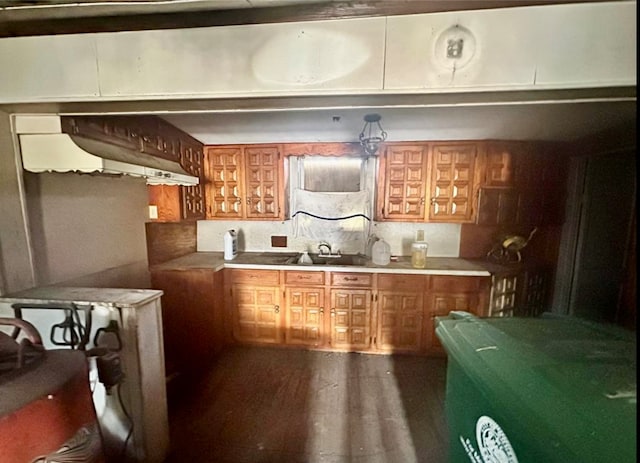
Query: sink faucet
{"type": "Point", "coordinates": [322, 246]}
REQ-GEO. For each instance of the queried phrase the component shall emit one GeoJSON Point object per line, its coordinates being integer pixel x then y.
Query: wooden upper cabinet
{"type": "Point", "coordinates": [192, 198]}
{"type": "Point", "coordinates": [499, 168]}
{"type": "Point", "coordinates": [262, 181]}
{"type": "Point", "coordinates": [224, 188]}
{"type": "Point", "coordinates": [244, 182]}
{"type": "Point", "coordinates": [401, 196]}
{"type": "Point", "coordinates": [523, 184]}
{"type": "Point", "coordinates": [453, 182]}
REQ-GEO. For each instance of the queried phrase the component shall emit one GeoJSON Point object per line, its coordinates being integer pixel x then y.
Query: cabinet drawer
{"type": "Point", "coordinates": [261, 277]}
{"type": "Point", "coordinates": [304, 278]}
{"type": "Point", "coordinates": [402, 282]}
{"type": "Point", "coordinates": [351, 279]}
{"type": "Point", "coordinates": [452, 284]}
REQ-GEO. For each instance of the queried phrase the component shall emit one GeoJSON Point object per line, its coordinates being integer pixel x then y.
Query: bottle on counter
{"type": "Point", "coordinates": [419, 251]}
{"type": "Point", "coordinates": [230, 245]}
{"type": "Point", "coordinates": [369, 246]}
{"type": "Point", "coordinates": [381, 252]}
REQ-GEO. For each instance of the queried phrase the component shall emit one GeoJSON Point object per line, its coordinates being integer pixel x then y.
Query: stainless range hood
{"type": "Point", "coordinates": [61, 152]}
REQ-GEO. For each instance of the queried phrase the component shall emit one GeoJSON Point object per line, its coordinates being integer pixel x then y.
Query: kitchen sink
{"type": "Point", "coordinates": [343, 259]}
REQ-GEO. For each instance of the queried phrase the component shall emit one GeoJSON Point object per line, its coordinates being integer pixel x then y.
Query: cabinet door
{"type": "Point", "coordinates": [405, 178]}
{"type": "Point", "coordinates": [192, 198]}
{"type": "Point", "coordinates": [497, 206]}
{"type": "Point", "coordinates": [399, 321]}
{"type": "Point", "coordinates": [440, 304]}
{"type": "Point", "coordinates": [533, 300]}
{"type": "Point", "coordinates": [256, 313]}
{"type": "Point", "coordinates": [224, 182]}
{"type": "Point", "coordinates": [504, 295]}
{"type": "Point", "coordinates": [351, 319]}
{"type": "Point", "coordinates": [499, 164]}
{"type": "Point", "coordinates": [453, 183]}
{"type": "Point", "coordinates": [192, 316]}
{"type": "Point", "coordinates": [304, 315]}
{"type": "Point", "coordinates": [262, 181]}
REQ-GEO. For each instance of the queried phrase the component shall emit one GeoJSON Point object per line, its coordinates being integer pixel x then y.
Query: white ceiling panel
{"type": "Point", "coordinates": [561, 121]}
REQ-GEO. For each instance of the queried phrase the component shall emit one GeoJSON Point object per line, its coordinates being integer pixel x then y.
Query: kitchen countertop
{"type": "Point", "coordinates": [106, 296]}
{"type": "Point", "coordinates": [276, 261]}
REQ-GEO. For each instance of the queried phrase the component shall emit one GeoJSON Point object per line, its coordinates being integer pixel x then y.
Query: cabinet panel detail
{"type": "Point", "coordinates": [351, 279]}
{"type": "Point", "coordinates": [224, 191]}
{"type": "Point", "coordinates": [304, 316]}
{"type": "Point", "coordinates": [452, 182]}
{"type": "Point", "coordinates": [351, 319]}
{"type": "Point", "coordinates": [261, 277]}
{"type": "Point", "coordinates": [440, 304]}
{"type": "Point", "coordinates": [405, 174]}
{"type": "Point", "coordinates": [399, 321]}
{"type": "Point", "coordinates": [256, 314]}
{"type": "Point", "coordinates": [307, 278]}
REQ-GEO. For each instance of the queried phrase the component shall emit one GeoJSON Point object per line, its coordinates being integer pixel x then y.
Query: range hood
{"type": "Point", "coordinates": [61, 152]}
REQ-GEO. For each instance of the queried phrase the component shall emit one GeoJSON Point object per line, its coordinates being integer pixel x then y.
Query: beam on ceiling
{"type": "Point", "coordinates": [307, 103]}
{"type": "Point", "coordinates": [40, 24]}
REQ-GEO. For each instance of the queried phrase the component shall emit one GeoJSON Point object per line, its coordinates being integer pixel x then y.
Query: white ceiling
{"type": "Point", "coordinates": [549, 121]}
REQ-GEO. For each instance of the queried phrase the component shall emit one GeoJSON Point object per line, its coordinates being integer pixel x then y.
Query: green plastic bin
{"type": "Point", "coordinates": [543, 390]}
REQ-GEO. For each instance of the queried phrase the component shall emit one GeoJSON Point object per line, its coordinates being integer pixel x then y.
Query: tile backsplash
{"type": "Point", "coordinates": [255, 236]}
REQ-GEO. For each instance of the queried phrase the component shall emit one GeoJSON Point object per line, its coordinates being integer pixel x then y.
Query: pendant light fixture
{"type": "Point", "coordinates": [372, 134]}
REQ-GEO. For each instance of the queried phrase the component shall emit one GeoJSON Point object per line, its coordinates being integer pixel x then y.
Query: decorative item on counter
{"type": "Point", "coordinates": [305, 259]}
{"type": "Point", "coordinates": [230, 245]}
{"type": "Point", "coordinates": [507, 248]}
{"type": "Point", "coordinates": [381, 252]}
{"type": "Point", "coordinates": [419, 251]}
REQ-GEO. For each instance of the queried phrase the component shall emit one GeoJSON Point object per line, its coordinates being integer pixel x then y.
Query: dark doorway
{"type": "Point", "coordinates": [606, 214]}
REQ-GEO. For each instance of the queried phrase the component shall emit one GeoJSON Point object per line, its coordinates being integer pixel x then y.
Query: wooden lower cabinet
{"type": "Point", "coordinates": [255, 306]}
{"type": "Point", "coordinates": [400, 304]}
{"type": "Point", "coordinates": [453, 293]}
{"type": "Point", "coordinates": [349, 311]}
{"type": "Point", "coordinates": [351, 319]}
{"type": "Point", "coordinates": [350, 314]}
{"type": "Point", "coordinates": [304, 308]}
{"type": "Point", "coordinates": [192, 316]}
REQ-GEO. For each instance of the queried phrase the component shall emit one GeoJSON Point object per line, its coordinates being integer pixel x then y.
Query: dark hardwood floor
{"type": "Point", "coordinates": [260, 405]}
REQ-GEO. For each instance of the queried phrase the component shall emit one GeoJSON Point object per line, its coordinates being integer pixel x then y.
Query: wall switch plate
{"type": "Point", "coordinates": [153, 212]}
{"type": "Point", "coordinates": [278, 241]}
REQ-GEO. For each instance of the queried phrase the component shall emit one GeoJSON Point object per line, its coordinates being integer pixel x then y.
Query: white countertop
{"type": "Point", "coordinates": [275, 261]}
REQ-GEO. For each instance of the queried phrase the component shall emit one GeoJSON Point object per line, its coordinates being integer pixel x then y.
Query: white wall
{"type": "Point", "coordinates": [82, 224]}
{"type": "Point", "coordinates": [255, 236]}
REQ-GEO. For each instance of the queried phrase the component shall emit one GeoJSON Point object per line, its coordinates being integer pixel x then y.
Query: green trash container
{"type": "Point", "coordinates": [543, 390]}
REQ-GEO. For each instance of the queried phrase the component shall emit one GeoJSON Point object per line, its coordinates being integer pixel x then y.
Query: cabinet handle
{"type": "Point", "coordinates": [333, 312]}
{"type": "Point", "coordinates": [248, 201]}
{"type": "Point", "coordinates": [422, 201]}
{"type": "Point", "coordinates": [350, 278]}
{"type": "Point", "coordinates": [304, 277]}
{"type": "Point", "coordinates": [276, 308]}
{"type": "Point", "coordinates": [321, 310]}
{"type": "Point", "coordinates": [433, 200]}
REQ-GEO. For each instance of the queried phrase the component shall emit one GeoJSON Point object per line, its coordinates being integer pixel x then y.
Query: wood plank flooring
{"type": "Point", "coordinates": [270, 405]}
